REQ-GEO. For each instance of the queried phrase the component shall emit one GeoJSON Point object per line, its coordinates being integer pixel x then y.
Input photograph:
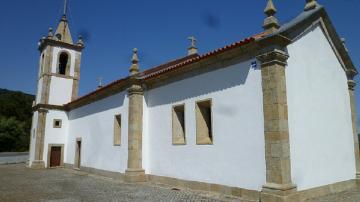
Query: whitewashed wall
{"type": "Point", "coordinates": [55, 135]}
{"type": "Point", "coordinates": [321, 139]}
{"type": "Point", "coordinates": [60, 90]}
{"type": "Point", "coordinates": [94, 123]}
{"type": "Point", "coordinates": [33, 137]}
{"type": "Point", "coordinates": [237, 157]}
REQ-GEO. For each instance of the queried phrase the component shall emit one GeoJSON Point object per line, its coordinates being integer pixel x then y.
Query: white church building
{"type": "Point", "coordinates": [268, 118]}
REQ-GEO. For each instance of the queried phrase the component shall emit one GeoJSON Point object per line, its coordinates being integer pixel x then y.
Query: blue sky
{"type": "Point", "coordinates": [158, 28]}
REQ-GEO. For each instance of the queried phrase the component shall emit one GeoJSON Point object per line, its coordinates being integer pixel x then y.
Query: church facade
{"type": "Point", "coordinates": [271, 117]}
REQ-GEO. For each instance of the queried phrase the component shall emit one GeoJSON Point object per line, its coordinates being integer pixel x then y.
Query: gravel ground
{"type": "Point", "coordinates": [18, 183]}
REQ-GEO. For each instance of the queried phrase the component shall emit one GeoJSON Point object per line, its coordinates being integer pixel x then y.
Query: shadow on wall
{"type": "Point", "coordinates": [201, 84]}
{"type": "Point", "coordinates": [111, 102]}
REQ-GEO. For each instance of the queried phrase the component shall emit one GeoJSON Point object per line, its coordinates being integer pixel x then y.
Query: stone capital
{"type": "Point", "coordinates": [42, 110]}
{"type": "Point", "coordinates": [274, 57]}
{"type": "Point", "coordinates": [135, 89]}
{"type": "Point", "coordinates": [351, 85]}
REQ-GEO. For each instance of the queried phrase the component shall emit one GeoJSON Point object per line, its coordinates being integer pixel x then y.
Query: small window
{"type": "Point", "coordinates": [57, 123]}
{"type": "Point", "coordinates": [63, 63]}
{"type": "Point", "coordinates": [117, 130]}
{"type": "Point", "coordinates": [58, 36]}
{"type": "Point", "coordinates": [204, 122]}
{"type": "Point", "coordinates": [178, 125]}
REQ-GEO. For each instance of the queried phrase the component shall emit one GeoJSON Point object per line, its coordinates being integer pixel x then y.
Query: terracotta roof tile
{"type": "Point", "coordinates": [167, 67]}
{"type": "Point", "coordinates": [188, 60]}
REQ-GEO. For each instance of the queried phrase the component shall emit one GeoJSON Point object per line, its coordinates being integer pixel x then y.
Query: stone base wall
{"type": "Point", "coordinates": [203, 186]}
{"type": "Point", "coordinates": [245, 194]}
{"type": "Point", "coordinates": [327, 189]}
{"type": "Point", "coordinates": [105, 173]}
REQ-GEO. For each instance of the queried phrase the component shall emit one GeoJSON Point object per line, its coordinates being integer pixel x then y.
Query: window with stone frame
{"type": "Point", "coordinates": [178, 125]}
{"type": "Point", "coordinates": [117, 130]}
{"type": "Point", "coordinates": [203, 112]}
{"type": "Point", "coordinates": [57, 123]}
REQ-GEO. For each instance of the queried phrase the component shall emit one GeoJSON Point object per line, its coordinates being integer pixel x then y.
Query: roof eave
{"type": "Point", "coordinates": [307, 19]}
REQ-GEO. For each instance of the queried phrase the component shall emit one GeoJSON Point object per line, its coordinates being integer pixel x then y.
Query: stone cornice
{"type": "Point", "coordinates": [351, 73]}
{"type": "Point", "coordinates": [51, 42]}
{"type": "Point", "coordinates": [58, 75]}
{"type": "Point", "coordinates": [46, 107]}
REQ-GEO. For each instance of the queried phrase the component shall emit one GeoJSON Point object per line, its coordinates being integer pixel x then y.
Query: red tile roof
{"type": "Point", "coordinates": [170, 66]}
{"type": "Point", "coordinates": [188, 60]}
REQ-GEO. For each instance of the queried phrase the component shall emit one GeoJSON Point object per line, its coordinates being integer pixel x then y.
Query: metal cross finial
{"type": "Point", "coordinates": [100, 82]}
{"type": "Point", "coordinates": [193, 41]}
{"type": "Point", "coordinates": [65, 7]}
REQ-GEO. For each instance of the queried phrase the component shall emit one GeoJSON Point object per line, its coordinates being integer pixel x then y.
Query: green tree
{"type": "Point", "coordinates": [15, 120]}
{"type": "Point", "coordinates": [13, 135]}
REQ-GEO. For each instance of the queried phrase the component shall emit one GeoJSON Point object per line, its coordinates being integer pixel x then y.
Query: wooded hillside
{"type": "Point", "coordinates": [15, 120]}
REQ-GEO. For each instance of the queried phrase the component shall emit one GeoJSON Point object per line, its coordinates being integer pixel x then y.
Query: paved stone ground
{"type": "Point", "coordinates": [18, 183]}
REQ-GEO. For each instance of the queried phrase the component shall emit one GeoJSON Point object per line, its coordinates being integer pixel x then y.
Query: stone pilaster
{"type": "Point", "coordinates": [75, 87]}
{"type": "Point", "coordinates": [279, 186]}
{"type": "Point", "coordinates": [351, 85]}
{"type": "Point", "coordinates": [38, 162]}
{"type": "Point", "coordinates": [134, 171]}
{"type": "Point", "coordinates": [44, 99]}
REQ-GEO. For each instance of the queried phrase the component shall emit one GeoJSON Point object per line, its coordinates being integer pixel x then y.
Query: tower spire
{"type": "Point", "coordinates": [271, 23]}
{"type": "Point", "coordinates": [63, 32]}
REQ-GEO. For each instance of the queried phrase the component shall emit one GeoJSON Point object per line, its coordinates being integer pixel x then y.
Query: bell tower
{"type": "Point", "coordinates": [59, 70]}
{"type": "Point", "coordinates": [58, 81]}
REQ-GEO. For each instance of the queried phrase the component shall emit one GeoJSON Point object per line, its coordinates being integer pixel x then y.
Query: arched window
{"type": "Point", "coordinates": [63, 63]}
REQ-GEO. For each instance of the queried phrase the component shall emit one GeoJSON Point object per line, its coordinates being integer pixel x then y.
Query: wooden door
{"type": "Point", "coordinates": [55, 156]}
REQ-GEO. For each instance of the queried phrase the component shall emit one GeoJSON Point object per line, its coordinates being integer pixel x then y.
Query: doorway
{"type": "Point", "coordinates": [78, 153]}
{"type": "Point", "coordinates": [55, 156]}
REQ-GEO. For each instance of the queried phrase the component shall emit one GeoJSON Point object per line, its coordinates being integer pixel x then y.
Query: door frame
{"type": "Point", "coordinates": [61, 157]}
{"type": "Point", "coordinates": [77, 160]}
